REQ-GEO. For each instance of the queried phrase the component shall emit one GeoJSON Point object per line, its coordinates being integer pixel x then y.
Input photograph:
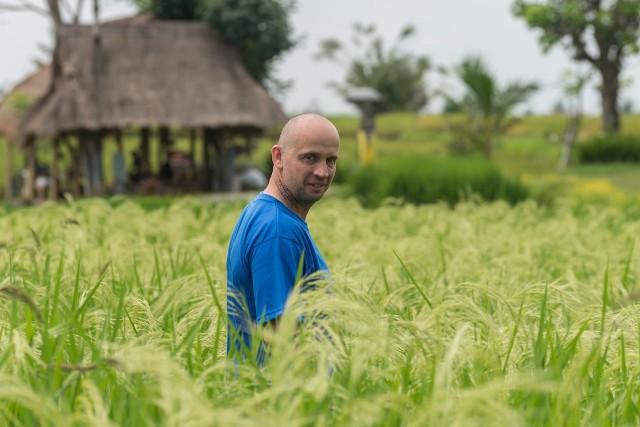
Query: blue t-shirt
{"type": "Point", "coordinates": [262, 265]}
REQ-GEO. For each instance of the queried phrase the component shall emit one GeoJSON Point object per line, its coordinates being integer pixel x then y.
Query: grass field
{"type": "Point", "coordinates": [112, 310]}
{"type": "Point", "coordinates": [486, 314]}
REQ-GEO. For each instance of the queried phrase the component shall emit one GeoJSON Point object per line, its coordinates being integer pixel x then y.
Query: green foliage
{"type": "Point", "coordinates": [602, 33]}
{"type": "Point", "coordinates": [571, 20]}
{"type": "Point", "coordinates": [397, 75]}
{"type": "Point", "coordinates": [485, 314]}
{"type": "Point", "coordinates": [188, 10]}
{"type": "Point", "coordinates": [259, 29]}
{"type": "Point", "coordinates": [610, 149]}
{"type": "Point", "coordinates": [19, 102]}
{"type": "Point", "coordinates": [430, 180]}
{"type": "Point", "coordinates": [171, 9]}
{"type": "Point", "coordinates": [488, 107]}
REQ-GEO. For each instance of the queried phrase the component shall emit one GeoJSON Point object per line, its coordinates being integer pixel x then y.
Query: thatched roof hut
{"type": "Point", "coordinates": [150, 73]}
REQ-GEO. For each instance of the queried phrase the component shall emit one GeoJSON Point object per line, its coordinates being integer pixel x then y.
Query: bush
{"type": "Point", "coordinates": [610, 149]}
{"type": "Point", "coordinates": [430, 180]}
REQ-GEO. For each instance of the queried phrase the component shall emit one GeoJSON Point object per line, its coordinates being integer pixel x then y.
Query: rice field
{"type": "Point", "coordinates": [481, 315]}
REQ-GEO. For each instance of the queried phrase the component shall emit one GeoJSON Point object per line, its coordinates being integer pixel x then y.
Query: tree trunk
{"type": "Point", "coordinates": [609, 92]}
{"type": "Point", "coordinates": [56, 18]}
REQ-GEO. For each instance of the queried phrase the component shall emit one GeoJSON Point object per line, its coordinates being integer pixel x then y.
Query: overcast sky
{"type": "Point", "coordinates": [447, 31]}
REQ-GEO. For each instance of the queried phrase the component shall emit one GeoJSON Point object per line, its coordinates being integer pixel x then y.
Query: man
{"type": "Point", "coordinates": [271, 237]}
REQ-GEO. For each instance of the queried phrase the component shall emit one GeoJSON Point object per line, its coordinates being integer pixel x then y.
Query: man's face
{"type": "Point", "coordinates": [308, 167]}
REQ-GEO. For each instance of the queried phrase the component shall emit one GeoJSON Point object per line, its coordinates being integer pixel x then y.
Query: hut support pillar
{"type": "Point", "coordinates": [83, 148]}
{"type": "Point", "coordinates": [95, 144]}
{"type": "Point", "coordinates": [218, 184]}
{"type": "Point", "coordinates": [30, 179]}
{"type": "Point", "coordinates": [207, 139]}
{"type": "Point", "coordinates": [8, 183]}
{"type": "Point", "coordinates": [145, 137]}
{"type": "Point", "coordinates": [119, 166]}
{"type": "Point", "coordinates": [76, 167]}
{"type": "Point", "coordinates": [53, 173]}
{"type": "Point", "coordinates": [163, 154]}
{"type": "Point", "coordinates": [193, 137]}
{"type": "Point", "coordinates": [91, 159]}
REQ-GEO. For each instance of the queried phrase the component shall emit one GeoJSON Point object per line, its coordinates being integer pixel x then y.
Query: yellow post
{"type": "Point", "coordinates": [365, 147]}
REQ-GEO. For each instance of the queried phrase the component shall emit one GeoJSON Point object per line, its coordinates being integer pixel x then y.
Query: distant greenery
{"type": "Point", "coordinates": [259, 29]}
{"type": "Point", "coordinates": [603, 34]}
{"type": "Point", "coordinates": [397, 75]}
{"type": "Point", "coordinates": [427, 180]}
{"type": "Point", "coordinates": [171, 9]}
{"type": "Point", "coordinates": [610, 149]}
{"type": "Point", "coordinates": [487, 107]}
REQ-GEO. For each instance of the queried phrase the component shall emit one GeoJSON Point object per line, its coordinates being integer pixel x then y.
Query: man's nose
{"type": "Point", "coordinates": [322, 170]}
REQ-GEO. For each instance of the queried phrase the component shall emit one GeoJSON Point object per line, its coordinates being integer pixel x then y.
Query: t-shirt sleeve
{"type": "Point", "coordinates": [274, 265]}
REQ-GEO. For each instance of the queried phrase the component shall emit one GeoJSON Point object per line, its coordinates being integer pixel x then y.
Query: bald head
{"type": "Point", "coordinates": [304, 162]}
{"type": "Point", "coordinates": [304, 127]}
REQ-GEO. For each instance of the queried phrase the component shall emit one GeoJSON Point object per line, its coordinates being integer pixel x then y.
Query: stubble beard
{"type": "Point", "coordinates": [296, 200]}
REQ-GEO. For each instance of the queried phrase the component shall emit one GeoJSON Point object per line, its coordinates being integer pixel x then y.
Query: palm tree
{"type": "Point", "coordinates": [487, 107]}
{"type": "Point", "coordinates": [396, 74]}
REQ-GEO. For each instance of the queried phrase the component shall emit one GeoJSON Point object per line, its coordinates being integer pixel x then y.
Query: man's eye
{"type": "Point", "coordinates": [331, 162]}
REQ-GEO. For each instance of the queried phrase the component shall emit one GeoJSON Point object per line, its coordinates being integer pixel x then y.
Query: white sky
{"type": "Point", "coordinates": [447, 31]}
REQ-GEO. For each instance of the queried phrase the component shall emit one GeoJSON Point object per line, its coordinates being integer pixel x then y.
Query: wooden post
{"type": "Point", "coordinates": [221, 159]}
{"type": "Point", "coordinates": [8, 184]}
{"type": "Point", "coordinates": [30, 179]}
{"type": "Point", "coordinates": [145, 166]}
{"type": "Point", "coordinates": [165, 172]}
{"type": "Point", "coordinates": [207, 138]}
{"type": "Point", "coordinates": [95, 158]}
{"type": "Point", "coordinates": [85, 164]}
{"type": "Point", "coordinates": [163, 152]}
{"type": "Point", "coordinates": [119, 166]}
{"type": "Point", "coordinates": [192, 173]}
{"type": "Point", "coordinates": [76, 187]}
{"type": "Point", "coordinates": [53, 173]}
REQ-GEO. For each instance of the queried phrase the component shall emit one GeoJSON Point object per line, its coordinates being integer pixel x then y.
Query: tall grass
{"type": "Point", "coordinates": [427, 180]}
{"type": "Point", "coordinates": [476, 315]}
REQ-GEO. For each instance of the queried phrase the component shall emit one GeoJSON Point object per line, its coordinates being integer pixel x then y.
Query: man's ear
{"type": "Point", "coordinates": [276, 156]}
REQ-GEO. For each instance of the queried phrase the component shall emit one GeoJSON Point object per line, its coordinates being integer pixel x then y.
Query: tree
{"type": "Point", "coordinates": [259, 29]}
{"type": "Point", "coordinates": [487, 107]}
{"type": "Point", "coordinates": [171, 9]}
{"type": "Point", "coordinates": [396, 75]}
{"type": "Point", "coordinates": [599, 32]}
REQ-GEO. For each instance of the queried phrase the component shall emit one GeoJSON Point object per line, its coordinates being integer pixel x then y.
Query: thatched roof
{"type": "Point", "coordinates": [150, 73]}
{"type": "Point", "coordinates": [29, 90]}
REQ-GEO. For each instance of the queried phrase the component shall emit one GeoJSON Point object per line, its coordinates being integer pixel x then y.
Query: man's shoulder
{"type": "Point", "coordinates": [268, 214]}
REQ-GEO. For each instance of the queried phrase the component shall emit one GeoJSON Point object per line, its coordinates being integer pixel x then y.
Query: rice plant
{"type": "Point", "coordinates": [481, 314]}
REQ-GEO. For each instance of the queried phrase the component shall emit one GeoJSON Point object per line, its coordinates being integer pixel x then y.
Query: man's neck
{"type": "Point", "coordinates": [280, 192]}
